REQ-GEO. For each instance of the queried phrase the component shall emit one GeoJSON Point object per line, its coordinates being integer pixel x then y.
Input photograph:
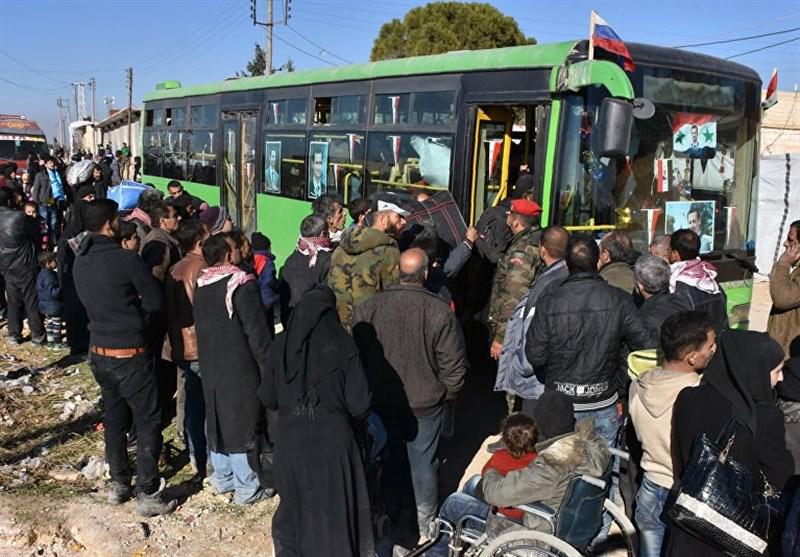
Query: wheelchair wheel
{"type": "Point", "coordinates": [528, 543]}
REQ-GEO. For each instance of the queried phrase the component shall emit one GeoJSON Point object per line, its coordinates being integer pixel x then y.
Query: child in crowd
{"type": "Point", "coordinates": [32, 210]}
{"type": "Point", "coordinates": [519, 436]}
{"type": "Point", "coordinates": [264, 265]}
{"type": "Point", "coordinates": [129, 239]}
{"type": "Point", "coordinates": [49, 294]}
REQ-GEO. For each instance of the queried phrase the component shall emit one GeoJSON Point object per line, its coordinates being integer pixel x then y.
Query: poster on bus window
{"type": "Point", "coordinates": [317, 168]}
{"type": "Point", "coordinates": [694, 215]}
{"type": "Point", "coordinates": [694, 135]}
{"type": "Point", "coordinates": [272, 168]}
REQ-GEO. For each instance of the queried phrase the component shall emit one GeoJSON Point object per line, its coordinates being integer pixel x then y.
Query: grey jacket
{"type": "Point", "coordinates": [546, 478]}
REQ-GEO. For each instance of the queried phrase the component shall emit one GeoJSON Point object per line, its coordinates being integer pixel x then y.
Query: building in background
{"type": "Point", "coordinates": [780, 125]}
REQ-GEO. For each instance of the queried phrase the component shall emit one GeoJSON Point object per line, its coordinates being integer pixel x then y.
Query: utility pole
{"type": "Point", "coordinates": [93, 83]}
{"type": "Point", "coordinates": [75, 87]}
{"type": "Point", "coordinates": [130, 103]}
{"type": "Point", "coordinates": [268, 53]}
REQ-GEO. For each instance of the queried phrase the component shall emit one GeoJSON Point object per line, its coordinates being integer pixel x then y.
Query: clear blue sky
{"type": "Point", "coordinates": [54, 42]}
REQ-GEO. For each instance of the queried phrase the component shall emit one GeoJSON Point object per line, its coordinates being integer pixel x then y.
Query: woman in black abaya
{"type": "Point", "coordinates": [740, 382]}
{"type": "Point", "coordinates": [315, 382]}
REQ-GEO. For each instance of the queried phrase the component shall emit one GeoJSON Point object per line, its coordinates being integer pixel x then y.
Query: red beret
{"type": "Point", "coordinates": [525, 207]}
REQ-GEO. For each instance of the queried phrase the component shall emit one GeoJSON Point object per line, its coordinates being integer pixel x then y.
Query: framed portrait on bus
{"type": "Point", "coordinates": [272, 166]}
{"type": "Point", "coordinates": [317, 168]}
{"type": "Point", "coordinates": [697, 216]}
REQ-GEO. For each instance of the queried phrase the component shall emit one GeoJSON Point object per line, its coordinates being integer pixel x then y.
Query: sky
{"type": "Point", "coordinates": [48, 44]}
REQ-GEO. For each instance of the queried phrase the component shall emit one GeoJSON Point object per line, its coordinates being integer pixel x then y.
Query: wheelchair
{"type": "Point", "coordinates": [573, 526]}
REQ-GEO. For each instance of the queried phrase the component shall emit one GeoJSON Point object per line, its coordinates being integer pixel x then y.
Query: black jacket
{"type": "Point", "coordinates": [297, 278]}
{"type": "Point", "coordinates": [412, 348]}
{"type": "Point", "coordinates": [118, 291]}
{"type": "Point", "coordinates": [703, 410]}
{"type": "Point", "coordinates": [575, 340]}
{"type": "Point", "coordinates": [19, 236]}
{"type": "Point", "coordinates": [714, 306]}
{"type": "Point", "coordinates": [658, 308]}
{"type": "Point", "coordinates": [48, 292]}
{"type": "Point", "coordinates": [494, 232]}
{"type": "Point", "coordinates": [233, 356]}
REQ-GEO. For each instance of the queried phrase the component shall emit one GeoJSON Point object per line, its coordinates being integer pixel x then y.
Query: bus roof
{"type": "Point", "coordinates": [18, 125]}
{"type": "Point", "coordinates": [515, 57]}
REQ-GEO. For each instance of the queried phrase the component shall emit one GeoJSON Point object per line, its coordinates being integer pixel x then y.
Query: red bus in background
{"type": "Point", "coordinates": [19, 138]}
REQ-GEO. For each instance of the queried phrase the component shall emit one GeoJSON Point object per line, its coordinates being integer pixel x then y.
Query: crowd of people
{"type": "Point", "coordinates": [305, 381]}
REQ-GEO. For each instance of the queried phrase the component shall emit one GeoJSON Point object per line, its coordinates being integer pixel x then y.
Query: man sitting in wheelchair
{"type": "Point", "coordinates": [566, 451]}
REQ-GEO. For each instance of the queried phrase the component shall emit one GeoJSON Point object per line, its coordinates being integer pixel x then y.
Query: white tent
{"type": "Point", "coordinates": [778, 197]}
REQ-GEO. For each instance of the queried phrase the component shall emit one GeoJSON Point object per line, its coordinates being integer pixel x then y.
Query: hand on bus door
{"type": "Point", "coordinates": [496, 350]}
{"type": "Point", "coordinates": [472, 234]}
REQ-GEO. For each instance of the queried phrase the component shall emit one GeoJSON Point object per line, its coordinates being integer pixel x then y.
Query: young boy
{"type": "Point", "coordinates": [519, 435]}
{"type": "Point", "coordinates": [264, 265]}
{"type": "Point", "coordinates": [129, 239]}
{"type": "Point", "coordinates": [49, 293]}
{"type": "Point", "coordinates": [32, 210]}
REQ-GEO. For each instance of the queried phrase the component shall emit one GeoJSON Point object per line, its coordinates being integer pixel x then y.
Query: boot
{"type": "Point", "coordinates": [154, 503]}
{"type": "Point", "coordinates": [118, 493]}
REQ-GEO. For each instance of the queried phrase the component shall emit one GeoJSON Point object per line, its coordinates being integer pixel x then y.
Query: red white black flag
{"type": "Point", "coordinates": [772, 91]}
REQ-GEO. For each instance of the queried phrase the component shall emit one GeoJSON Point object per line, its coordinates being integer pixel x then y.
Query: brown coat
{"type": "Point", "coordinates": [784, 319]}
{"type": "Point", "coordinates": [620, 275]}
{"type": "Point", "coordinates": [179, 288]}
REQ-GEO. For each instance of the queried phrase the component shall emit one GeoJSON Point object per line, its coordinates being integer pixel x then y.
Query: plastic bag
{"type": "Point", "coordinates": [79, 172]}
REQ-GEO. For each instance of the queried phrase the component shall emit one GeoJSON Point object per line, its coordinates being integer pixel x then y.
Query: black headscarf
{"type": "Point", "coordinates": [789, 388]}
{"type": "Point", "coordinates": [739, 371]}
{"type": "Point", "coordinates": [314, 344]}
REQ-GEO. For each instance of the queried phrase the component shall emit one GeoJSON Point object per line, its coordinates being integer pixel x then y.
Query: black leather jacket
{"type": "Point", "coordinates": [18, 239]}
{"type": "Point", "coordinates": [575, 340]}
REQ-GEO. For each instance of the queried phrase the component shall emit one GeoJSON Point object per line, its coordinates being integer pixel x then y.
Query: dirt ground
{"type": "Point", "coordinates": [51, 467]}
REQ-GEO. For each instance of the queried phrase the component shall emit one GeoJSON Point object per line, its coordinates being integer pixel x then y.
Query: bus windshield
{"type": "Point", "coordinates": [21, 149]}
{"type": "Point", "coordinates": [690, 165]}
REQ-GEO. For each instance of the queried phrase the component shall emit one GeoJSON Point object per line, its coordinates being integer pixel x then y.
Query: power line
{"type": "Point", "coordinates": [322, 49]}
{"type": "Point", "coordinates": [762, 48]}
{"type": "Point", "coordinates": [307, 53]}
{"type": "Point", "coordinates": [34, 89]}
{"type": "Point", "coordinates": [30, 68]}
{"type": "Point", "coordinates": [741, 38]}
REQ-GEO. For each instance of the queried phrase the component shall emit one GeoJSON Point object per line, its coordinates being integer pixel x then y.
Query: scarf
{"type": "Point", "coordinates": [313, 345]}
{"type": "Point", "coordinates": [696, 273]}
{"type": "Point", "coordinates": [739, 371]}
{"type": "Point", "coordinates": [139, 215]}
{"type": "Point", "coordinates": [312, 245]}
{"type": "Point", "coordinates": [236, 278]}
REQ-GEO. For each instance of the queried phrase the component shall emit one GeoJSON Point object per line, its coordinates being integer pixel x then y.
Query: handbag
{"type": "Point", "coordinates": [719, 500]}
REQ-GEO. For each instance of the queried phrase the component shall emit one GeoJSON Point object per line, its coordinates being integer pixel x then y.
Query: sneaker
{"type": "Point", "coordinates": [13, 341]}
{"type": "Point", "coordinates": [118, 493]}
{"type": "Point", "coordinates": [56, 346]}
{"type": "Point", "coordinates": [39, 341]}
{"type": "Point", "coordinates": [154, 503]}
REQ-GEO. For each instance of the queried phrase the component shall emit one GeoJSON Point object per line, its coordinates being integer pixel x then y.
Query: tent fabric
{"type": "Point", "coordinates": [778, 206]}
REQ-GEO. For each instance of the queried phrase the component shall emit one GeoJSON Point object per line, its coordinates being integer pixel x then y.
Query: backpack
{"type": "Point", "coordinates": [514, 373]}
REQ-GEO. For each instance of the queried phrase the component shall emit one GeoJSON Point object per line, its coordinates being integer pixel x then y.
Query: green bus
{"type": "Point", "coordinates": [466, 122]}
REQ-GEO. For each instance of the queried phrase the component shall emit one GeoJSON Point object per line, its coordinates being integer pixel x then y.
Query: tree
{"type": "Point", "coordinates": [256, 66]}
{"type": "Point", "coordinates": [446, 26]}
{"type": "Point", "coordinates": [289, 65]}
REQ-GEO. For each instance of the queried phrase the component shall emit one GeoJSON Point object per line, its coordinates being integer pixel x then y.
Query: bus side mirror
{"type": "Point", "coordinates": [614, 127]}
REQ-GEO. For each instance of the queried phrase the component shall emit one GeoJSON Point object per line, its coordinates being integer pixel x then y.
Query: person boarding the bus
{"type": "Point", "coordinates": [516, 268]}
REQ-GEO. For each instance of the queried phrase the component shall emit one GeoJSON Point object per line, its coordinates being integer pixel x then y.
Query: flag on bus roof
{"type": "Point", "coordinates": [603, 36]}
{"type": "Point", "coordinates": [772, 91]}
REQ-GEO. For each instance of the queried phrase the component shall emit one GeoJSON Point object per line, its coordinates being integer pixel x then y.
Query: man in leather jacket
{"type": "Point", "coordinates": [577, 334]}
{"type": "Point", "coordinates": [19, 266]}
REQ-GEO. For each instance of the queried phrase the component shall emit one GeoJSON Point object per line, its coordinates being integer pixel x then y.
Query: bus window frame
{"type": "Point", "coordinates": [326, 90]}
{"type": "Point", "coordinates": [286, 93]}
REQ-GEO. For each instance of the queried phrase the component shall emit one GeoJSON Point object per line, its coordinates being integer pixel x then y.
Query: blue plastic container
{"type": "Point", "coordinates": [127, 194]}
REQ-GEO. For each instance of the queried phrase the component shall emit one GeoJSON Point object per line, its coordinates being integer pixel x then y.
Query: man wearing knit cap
{"type": "Point", "coordinates": [516, 268]}
{"type": "Point", "coordinates": [217, 220]}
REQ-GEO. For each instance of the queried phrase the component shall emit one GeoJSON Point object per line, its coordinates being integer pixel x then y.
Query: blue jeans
{"type": "Point", "coordinates": [233, 473]}
{"type": "Point", "coordinates": [650, 501]}
{"type": "Point", "coordinates": [606, 424]}
{"type": "Point", "coordinates": [417, 441]}
{"type": "Point", "coordinates": [454, 507]}
{"type": "Point", "coordinates": [50, 216]}
{"type": "Point", "coordinates": [195, 415]}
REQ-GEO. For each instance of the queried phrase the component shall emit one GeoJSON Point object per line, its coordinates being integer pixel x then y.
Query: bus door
{"type": "Point", "coordinates": [239, 167]}
{"type": "Point", "coordinates": [490, 161]}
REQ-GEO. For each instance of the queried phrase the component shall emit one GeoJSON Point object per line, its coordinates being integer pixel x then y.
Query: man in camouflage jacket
{"type": "Point", "coordinates": [516, 268]}
{"type": "Point", "coordinates": [365, 262]}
